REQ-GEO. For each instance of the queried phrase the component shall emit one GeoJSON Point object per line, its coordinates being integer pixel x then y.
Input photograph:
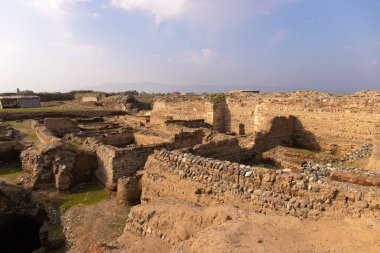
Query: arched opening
{"type": "Point", "coordinates": [241, 129]}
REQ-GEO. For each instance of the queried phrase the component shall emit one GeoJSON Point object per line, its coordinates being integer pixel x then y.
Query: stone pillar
{"type": "Point", "coordinates": [129, 190]}
{"type": "Point", "coordinates": [374, 163]}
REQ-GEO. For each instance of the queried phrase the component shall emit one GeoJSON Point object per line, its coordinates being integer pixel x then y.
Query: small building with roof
{"type": "Point", "coordinates": [7, 102]}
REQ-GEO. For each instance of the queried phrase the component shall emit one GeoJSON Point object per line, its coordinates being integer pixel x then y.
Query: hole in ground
{"type": "Point", "coordinates": [20, 234]}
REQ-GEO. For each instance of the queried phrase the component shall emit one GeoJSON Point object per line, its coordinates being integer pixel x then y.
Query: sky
{"type": "Point", "coordinates": [63, 45]}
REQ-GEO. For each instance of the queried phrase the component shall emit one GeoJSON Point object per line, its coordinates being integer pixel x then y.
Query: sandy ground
{"type": "Point", "coordinates": [207, 230]}
{"type": "Point", "coordinates": [85, 225]}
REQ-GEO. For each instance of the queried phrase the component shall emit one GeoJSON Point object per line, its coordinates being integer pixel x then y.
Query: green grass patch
{"type": "Point", "coordinates": [305, 151]}
{"type": "Point", "coordinates": [10, 170]}
{"type": "Point", "coordinates": [25, 128]}
{"type": "Point", "coordinates": [10, 173]}
{"type": "Point", "coordinates": [218, 98]}
{"type": "Point", "coordinates": [55, 232]}
{"type": "Point", "coordinates": [145, 99]}
{"type": "Point", "coordinates": [86, 194]}
{"type": "Point", "coordinates": [45, 109]}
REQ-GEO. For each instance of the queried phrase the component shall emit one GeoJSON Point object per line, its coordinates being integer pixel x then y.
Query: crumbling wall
{"type": "Point", "coordinates": [117, 140]}
{"type": "Point", "coordinates": [58, 165]}
{"type": "Point", "coordinates": [327, 122]}
{"type": "Point", "coordinates": [374, 163]}
{"type": "Point", "coordinates": [335, 123]}
{"type": "Point", "coordinates": [151, 138]}
{"type": "Point", "coordinates": [276, 131]}
{"type": "Point", "coordinates": [44, 134]}
{"type": "Point", "coordinates": [115, 163]}
{"type": "Point", "coordinates": [220, 147]}
{"type": "Point", "coordinates": [190, 138]}
{"type": "Point", "coordinates": [204, 181]}
{"type": "Point", "coordinates": [61, 126]}
{"type": "Point", "coordinates": [178, 108]}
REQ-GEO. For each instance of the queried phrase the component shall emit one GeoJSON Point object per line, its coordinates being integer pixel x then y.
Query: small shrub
{"type": "Point", "coordinates": [218, 98]}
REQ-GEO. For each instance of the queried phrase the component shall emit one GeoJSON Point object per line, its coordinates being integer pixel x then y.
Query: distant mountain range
{"type": "Point", "coordinates": [163, 88]}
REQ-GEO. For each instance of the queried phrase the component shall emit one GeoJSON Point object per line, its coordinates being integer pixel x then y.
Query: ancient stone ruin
{"type": "Point", "coordinates": [186, 167]}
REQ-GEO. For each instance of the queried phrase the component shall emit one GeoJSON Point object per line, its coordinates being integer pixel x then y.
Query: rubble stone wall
{"type": "Point", "coordinates": [58, 165]}
{"type": "Point", "coordinates": [204, 181]}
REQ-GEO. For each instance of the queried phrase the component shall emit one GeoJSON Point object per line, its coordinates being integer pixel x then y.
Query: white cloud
{"type": "Point", "coordinates": [56, 7]}
{"type": "Point", "coordinates": [95, 14]}
{"type": "Point", "coordinates": [278, 36]}
{"type": "Point", "coordinates": [162, 10]}
{"type": "Point", "coordinates": [211, 11]}
{"type": "Point", "coordinates": [58, 11]}
{"type": "Point", "coordinates": [198, 58]}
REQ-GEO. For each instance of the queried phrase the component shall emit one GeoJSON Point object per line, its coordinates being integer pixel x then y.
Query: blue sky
{"type": "Point", "coordinates": [61, 45]}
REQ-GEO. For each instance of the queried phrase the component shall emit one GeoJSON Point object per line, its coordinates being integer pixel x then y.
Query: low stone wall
{"type": "Point", "coordinates": [44, 134]}
{"type": "Point", "coordinates": [61, 126]}
{"type": "Point", "coordinates": [150, 138]}
{"type": "Point", "coordinates": [117, 140]}
{"type": "Point", "coordinates": [19, 115]}
{"type": "Point", "coordinates": [204, 181]}
{"type": "Point", "coordinates": [115, 163]}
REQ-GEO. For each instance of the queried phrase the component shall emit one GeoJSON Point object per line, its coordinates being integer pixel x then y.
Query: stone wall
{"type": "Point", "coordinates": [43, 134]}
{"type": "Point", "coordinates": [19, 115]}
{"type": "Point", "coordinates": [117, 140]}
{"type": "Point", "coordinates": [374, 163]}
{"type": "Point", "coordinates": [151, 138]}
{"type": "Point", "coordinates": [115, 163]}
{"type": "Point", "coordinates": [59, 165]}
{"type": "Point", "coordinates": [204, 181]}
{"type": "Point", "coordinates": [61, 126]}
{"type": "Point", "coordinates": [222, 148]}
{"type": "Point", "coordinates": [179, 108]}
{"type": "Point", "coordinates": [335, 123]}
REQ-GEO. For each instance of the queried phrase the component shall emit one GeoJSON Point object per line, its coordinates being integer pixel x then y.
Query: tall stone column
{"type": "Point", "coordinates": [374, 163]}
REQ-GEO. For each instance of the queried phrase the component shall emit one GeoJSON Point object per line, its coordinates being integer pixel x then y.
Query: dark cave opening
{"type": "Point", "coordinates": [20, 234]}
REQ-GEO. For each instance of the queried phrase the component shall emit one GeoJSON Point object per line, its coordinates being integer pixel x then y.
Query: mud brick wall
{"type": "Point", "coordinates": [336, 123]}
{"type": "Point", "coordinates": [220, 148]}
{"type": "Point", "coordinates": [179, 108]}
{"type": "Point", "coordinates": [241, 110]}
{"type": "Point", "coordinates": [189, 139]}
{"type": "Point", "coordinates": [205, 181]}
{"type": "Point", "coordinates": [150, 139]}
{"type": "Point", "coordinates": [325, 122]}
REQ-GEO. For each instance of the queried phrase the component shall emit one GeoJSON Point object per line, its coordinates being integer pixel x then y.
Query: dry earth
{"type": "Point", "coordinates": [223, 228]}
